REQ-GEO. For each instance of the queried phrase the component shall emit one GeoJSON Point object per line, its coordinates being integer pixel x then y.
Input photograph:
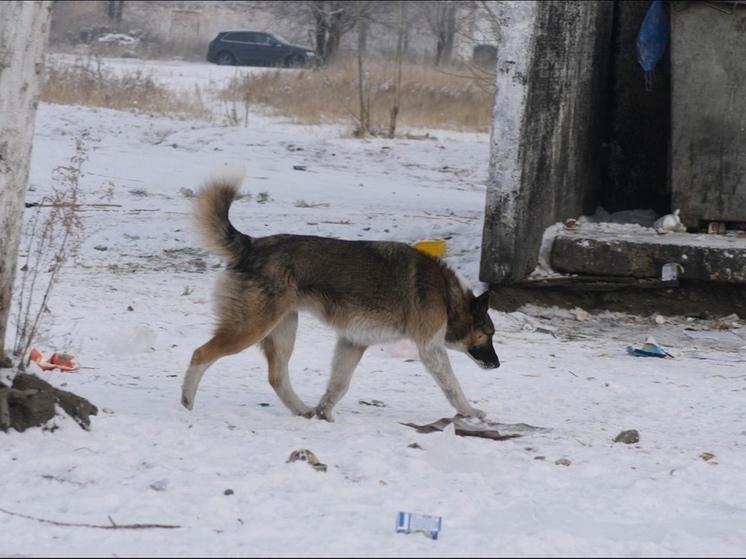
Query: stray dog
{"type": "Point", "coordinates": [370, 292]}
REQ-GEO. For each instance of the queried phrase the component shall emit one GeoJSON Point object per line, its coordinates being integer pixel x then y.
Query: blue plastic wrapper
{"type": "Point", "coordinates": [649, 349]}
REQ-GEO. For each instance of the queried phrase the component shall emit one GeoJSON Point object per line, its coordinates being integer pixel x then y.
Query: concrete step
{"type": "Point", "coordinates": [606, 249]}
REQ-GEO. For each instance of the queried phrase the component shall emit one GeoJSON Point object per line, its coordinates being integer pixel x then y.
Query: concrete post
{"type": "Point", "coordinates": [548, 124]}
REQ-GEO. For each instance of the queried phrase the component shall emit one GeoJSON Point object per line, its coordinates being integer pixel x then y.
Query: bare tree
{"type": "Point", "coordinates": [444, 20]}
{"type": "Point", "coordinates": [115, 10]}
{"type": "Point", "coordinates": [333, 19]}
{"type": "Point", "coordinates": [330, 20]}
{"type": "Point", "coordinates": [484, 37]}
{"type": "Point", "coordinates": [24, 27]}
{"type": "Point", "coordinates": [445, 30]}
{"type": "Point", "coordinates": [400, 38]}
{"type": "Point", "coordinates": [363, 94]}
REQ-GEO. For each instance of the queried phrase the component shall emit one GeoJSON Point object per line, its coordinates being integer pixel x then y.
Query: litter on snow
{"type": "Point", "coordinates": [62, 361]}
{"type": "Point", "coordinates": [484, 428]}
{"type": "Point", "coordinates": [408, 523]}
{"type": "Point", "coordinates": [649, 349]}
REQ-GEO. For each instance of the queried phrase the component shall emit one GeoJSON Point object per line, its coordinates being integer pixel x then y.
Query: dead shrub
{"type": "Point", "coordinates": [52, 237]}
{"type": "Point", "coordinates": [429, 97]}
{"type": "Point", "coordinates": [455, 98]}
{"type": "Point", "coordinates": [88, 83]}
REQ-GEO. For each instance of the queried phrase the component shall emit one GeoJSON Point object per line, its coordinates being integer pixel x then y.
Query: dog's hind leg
{"type": "Point", "coordinates": [435, 359]}
{"type": "Point", "coordinates": [277, 347]}
{"type": "Point", "coordinates": [229, 339]}
{"type": "Point", "coordinates": [346, 357]}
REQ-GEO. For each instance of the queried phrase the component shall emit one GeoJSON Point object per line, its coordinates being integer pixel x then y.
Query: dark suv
{"type": "Point", "coordinates": [256, 48]}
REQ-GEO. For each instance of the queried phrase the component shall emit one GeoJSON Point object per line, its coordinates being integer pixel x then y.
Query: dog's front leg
{"type": "Point", "coordinates": [436, 361]}
{"type": "Point", "coordinates": [346, 357]}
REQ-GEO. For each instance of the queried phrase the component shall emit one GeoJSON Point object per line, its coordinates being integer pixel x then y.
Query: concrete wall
{"type": "Point", "coordinates": [187, 21]}
{"type": "Point", "coordinates": [548, 127]}
{"type": "Point", "coordinates": [180, 21]}
{"type": "Point", "coordinates": [708, 144]}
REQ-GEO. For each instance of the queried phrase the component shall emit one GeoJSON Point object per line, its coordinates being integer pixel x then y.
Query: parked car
{"type": "Point", "coordinates": [256, 48]}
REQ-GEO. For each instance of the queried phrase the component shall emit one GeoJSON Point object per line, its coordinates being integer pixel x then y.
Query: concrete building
{"type": "Point", "coordinates": [578, 124]}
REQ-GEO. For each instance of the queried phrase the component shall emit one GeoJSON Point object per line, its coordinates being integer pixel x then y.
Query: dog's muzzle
{"type": "Point", "coordinates": [485, 357]}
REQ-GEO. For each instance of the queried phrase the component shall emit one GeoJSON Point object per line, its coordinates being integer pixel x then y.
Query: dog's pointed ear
{"type": "Point", "coordinates": [481, 304]}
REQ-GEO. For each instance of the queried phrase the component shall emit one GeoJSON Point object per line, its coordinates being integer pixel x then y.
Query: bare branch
{"type": "Point", "coordinates": [112, 526]}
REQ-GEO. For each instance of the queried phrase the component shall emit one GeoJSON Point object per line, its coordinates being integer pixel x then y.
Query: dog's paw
{"type": "Point", "coordinates": [473, 412]}
{"type": "Point", "coordinates": [307, 413]}
{"type": "Point", "coordinates": [187, 403]}
{"type": "Point", "coordinates": [325, 414]}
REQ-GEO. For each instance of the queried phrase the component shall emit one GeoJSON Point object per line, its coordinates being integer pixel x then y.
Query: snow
{"type": "Point", "coordinates": [118, 38]}
{"type": "Point", "coordinates": [152, 479]}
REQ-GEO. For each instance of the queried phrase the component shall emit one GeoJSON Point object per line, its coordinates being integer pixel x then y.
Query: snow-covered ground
{"type": "Point", "coordinates": [153, 479]}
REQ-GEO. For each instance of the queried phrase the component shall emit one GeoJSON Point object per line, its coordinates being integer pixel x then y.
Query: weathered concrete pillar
{"type": "Point", "coordinates": [548, 123]}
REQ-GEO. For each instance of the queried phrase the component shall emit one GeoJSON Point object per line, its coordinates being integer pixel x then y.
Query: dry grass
{"type": "Point", "coordinates": [87, 83]}
{"type": "Point", "coordinates": [451, 99]}
{"type": "Point", "coordinates": [430, 98]}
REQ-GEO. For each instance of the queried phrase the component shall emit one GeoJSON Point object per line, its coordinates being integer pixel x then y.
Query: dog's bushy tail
{"type": "Point", "coordinates": [215, 231]}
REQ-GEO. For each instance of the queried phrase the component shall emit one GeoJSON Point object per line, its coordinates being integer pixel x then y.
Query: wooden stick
{"type": "Point", "coordinates": [112, 526]}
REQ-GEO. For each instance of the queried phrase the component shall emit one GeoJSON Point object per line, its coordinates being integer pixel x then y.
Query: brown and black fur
{"type": "Point", "coordinates": [369, 292]}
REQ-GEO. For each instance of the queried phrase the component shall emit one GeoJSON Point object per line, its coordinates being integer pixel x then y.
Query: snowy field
{"type": "Point", "coordinates": [151, 479]}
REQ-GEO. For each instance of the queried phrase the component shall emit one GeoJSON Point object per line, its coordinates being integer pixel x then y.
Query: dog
{"type": "Point", "coordinates": [369, 292]}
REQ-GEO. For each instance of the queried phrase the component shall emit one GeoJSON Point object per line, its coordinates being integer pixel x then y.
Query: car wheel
{"type": "Point", "coordinates": [225, 59]}
{"type": "Point", "coordinates": [295, 61]}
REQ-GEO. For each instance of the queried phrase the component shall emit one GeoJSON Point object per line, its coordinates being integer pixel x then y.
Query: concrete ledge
{"type": "Point", "coordinates": [640, 252]}
{"type": "Point", "coordinates": [705, 300]}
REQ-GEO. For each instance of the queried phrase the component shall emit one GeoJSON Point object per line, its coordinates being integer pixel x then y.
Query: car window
{"type": "Point", "coordinates": [262, 39]}
{"type": "Point", "coordinates": [240, 37]}
{"type": "Point", "coordinates": [280, 39]}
